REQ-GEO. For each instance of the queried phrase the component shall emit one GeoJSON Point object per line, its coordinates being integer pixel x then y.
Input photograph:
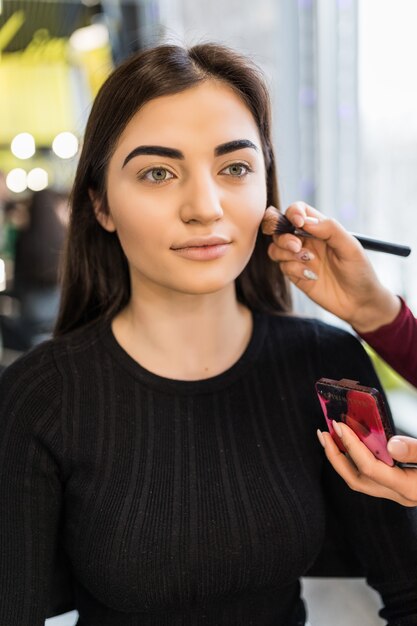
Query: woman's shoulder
{"type": "Point", "coordinates": [39, 371]}
{"type": "Point", "coordinates": [304, 339]}
{"type": "Point", "coordinates": [319, 349]}
{"type": "Point", "coordinates": [34, 363]}
{"type": "Point", "coordinates": [292, 325]}
{"type": "Point", "coordinates": [30, 389]}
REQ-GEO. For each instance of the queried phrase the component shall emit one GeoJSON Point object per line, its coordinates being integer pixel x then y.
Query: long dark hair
{"type": "Point", "coordinates": [95, 278]}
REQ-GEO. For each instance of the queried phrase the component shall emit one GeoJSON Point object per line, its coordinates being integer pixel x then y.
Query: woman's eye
{"type": "Point", "coordinates": [237, 170]}
{"type": "Point", "coordinates": [157, 175]}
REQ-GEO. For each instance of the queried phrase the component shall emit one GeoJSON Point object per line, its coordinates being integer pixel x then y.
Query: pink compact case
{"type": "Point", "coordinates": [362, 408]}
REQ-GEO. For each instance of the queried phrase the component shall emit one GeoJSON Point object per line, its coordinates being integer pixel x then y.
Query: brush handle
{"type": "Point", "coordinates": [368, 243]}
{"type": "Point", "coordinates": [382, 246]}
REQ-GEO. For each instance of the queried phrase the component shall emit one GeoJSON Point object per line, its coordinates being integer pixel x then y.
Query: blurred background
{"type": "Point", "coordinates": [344, 88]}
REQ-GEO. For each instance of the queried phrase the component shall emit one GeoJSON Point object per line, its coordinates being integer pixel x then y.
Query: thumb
{"type": "Point", "coordinates": [403, 449]}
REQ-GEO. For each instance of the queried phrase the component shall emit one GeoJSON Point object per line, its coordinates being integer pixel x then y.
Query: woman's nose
{"type": "Point", "coordinates": [201, 202]}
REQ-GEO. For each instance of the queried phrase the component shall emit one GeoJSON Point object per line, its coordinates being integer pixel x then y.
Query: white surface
{"type": "Point", "coordinates": [68, 619]}
{"type": "Point", "coordinates": [341, 602]}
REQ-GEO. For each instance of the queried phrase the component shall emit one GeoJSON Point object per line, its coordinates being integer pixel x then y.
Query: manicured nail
{"type": "Point", "coordinates": [299, 220]}
{"type": "Point", "coordinates": [397, 447]}
{"type": "Point", "coordinates": [310, 275]}
{"type": "Point", "coordinates": [321, 438]}
{"type": "Point", "coordinates": [294, 246]}
{"type": "Point", "coordinates": [337, 429]}
{"type": "Point", "coordinates": [305, 255]}
{"type": "Point", "coordinates": [311, 220]}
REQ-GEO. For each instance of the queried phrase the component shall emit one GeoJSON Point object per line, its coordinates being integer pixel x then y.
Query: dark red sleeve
{"type": "Point", "coordinates": [396, 343]}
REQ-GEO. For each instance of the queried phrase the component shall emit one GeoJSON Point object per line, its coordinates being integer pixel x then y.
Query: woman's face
{"type": "Point", "coordinates": [186, 190]}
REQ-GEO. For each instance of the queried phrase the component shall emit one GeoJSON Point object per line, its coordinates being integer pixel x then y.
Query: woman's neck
{"type": "Point", "coordinates": [185, 337]}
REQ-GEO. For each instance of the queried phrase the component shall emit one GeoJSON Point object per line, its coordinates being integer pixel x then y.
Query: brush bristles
{"type": "Point", "coordinates": [275, 223]}
{"type": "Point", "coordinates": [284, 225]}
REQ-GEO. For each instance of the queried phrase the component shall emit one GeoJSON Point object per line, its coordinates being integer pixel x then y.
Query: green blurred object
{"type": "Point", "coordinates": [9, 240]}
{"type": "Point", "coordinates": [388, 377]}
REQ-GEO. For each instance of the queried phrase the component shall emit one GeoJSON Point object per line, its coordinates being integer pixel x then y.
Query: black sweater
{"type": "Point", "coordinates": [179, 502]}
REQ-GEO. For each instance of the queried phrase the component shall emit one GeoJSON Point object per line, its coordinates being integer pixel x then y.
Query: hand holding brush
{"type": "Point", "coordinates": [329, 265]}
{"type": "Point", "coordinates": [277, 223]}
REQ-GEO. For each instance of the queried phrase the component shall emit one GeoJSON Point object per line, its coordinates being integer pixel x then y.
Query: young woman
{"type": "Point", "coordinates": [334, 272]}
{"type": "Point", "coordinates": [165, 439]}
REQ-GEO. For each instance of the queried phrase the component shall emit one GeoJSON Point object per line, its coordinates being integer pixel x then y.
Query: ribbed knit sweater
{"type": "Point", "coordinates": [180, 503]}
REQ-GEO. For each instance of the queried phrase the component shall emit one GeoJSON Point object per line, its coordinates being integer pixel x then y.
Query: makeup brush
{"type": "Point", "coordinates": [277, 224]}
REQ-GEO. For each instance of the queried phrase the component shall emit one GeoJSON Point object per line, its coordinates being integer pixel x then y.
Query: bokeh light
{"type": "Point", "coordinates": [65, 145]}
{"type": "Point", "coordinates": [16, 180]}
{"type": "Point", "coordinates": [23, 146]}
{"type": "Point", "coordinates": [37, 179]}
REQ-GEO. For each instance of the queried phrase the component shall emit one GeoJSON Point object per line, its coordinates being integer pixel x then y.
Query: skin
{"type": "Point", "coordinates": [181, 304]}
{"type": "Point", "coordinates": [344, 283]}
{"type": "Point", "coordinates": [364, 473]}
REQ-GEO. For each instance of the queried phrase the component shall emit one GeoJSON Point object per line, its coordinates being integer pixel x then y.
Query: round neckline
{"type": "Point", "coordinates": [213, 383]}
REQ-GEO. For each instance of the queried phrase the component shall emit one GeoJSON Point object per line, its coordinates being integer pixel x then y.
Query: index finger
{"type": "Point", "coordinates": [327, 229]}
{"type": "Point", "coordinates": [297, 212]}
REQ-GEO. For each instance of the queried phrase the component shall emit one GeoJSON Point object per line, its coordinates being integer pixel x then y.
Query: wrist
{"type": "Point", "coordinates": [381, 310]}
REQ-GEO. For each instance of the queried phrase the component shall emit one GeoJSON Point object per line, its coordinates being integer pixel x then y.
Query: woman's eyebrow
{"type": "Point", "coordinates": [231, 146]}
{"type": "Point", "coordinates": [162, 151]}
{"type": "Point", "coordinates": [173, 153]}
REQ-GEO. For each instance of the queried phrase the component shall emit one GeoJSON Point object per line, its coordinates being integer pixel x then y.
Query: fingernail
{"type": "Point", "coordinates": [310, 275]}
{"type": "Point", "coordinates": [305, 255]}
{"type": "Point", "coordinates": [337, 429]}
{"type": "Point", "coordinates": [311, 220]}
{"type": "Point", "coordinates": [397, 447]}
{"type": "Point", "coordinates": [299, 220]}
{"type": "Point", "coordinates": [321, 438]}
{"type": "Point", "coordinates": [294, 246]}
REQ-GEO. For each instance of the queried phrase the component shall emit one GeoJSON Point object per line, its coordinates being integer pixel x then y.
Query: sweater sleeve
{"type": "Point", "coordinates": [383, 534]}
{"type": "Point", "coordinates": [30, 489]}
{"type": "Point", "coordinates": [396, 343]}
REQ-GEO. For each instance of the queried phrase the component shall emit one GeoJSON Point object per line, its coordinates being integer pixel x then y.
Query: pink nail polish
{"type": "Point", "coordinates": [337, 429]}
{"type": "Point", "coordinates": [294, 246]}
{"type": "Point", "coordinates": [398, 448]}
{"type": "Point", "coordinates": [321, 438]}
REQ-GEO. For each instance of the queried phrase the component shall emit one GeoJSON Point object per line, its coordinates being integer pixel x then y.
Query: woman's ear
{"type": "Point", "coordinates": [102, 213]}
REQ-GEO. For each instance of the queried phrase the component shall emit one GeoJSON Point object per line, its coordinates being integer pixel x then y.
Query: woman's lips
{"type": "Point", "coordinates": [204, 248]}
{"type": "Point", "coordinates": [203, 253]}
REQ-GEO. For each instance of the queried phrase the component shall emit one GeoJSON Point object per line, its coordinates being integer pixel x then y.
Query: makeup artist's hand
{"type": "Point", "coordinates": [333, 270]}
{"type": "Point", "coordinates": [363, 472]}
